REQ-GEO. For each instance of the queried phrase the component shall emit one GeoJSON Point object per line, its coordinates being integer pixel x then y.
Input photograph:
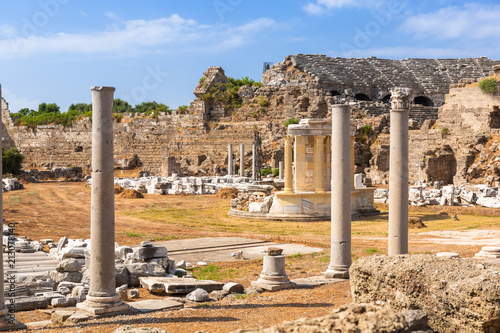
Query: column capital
{"type": "Point", "coordinates": [289, 139]}
{"type": "Point", "coordinates": [319, 139]}
{"type": "Point", "coordinates": [400, 98]}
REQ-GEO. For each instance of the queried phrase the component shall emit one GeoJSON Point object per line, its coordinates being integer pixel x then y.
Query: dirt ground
{"type": "Point", "coordinates": [53, 210]}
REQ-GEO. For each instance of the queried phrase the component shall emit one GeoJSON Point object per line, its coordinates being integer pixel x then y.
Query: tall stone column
{"type": "Point", "coordinates": [319, 163]}
{"type": "Point", "coordinates": [288, 164]}
{"type": "Point", "coordinates": [254, 162]}
{"type": "Point", "coordinates": [7, 322]}
{"type": "Point", "coordinates": [102, 297]}
{"type": "Point", "coordinates": [340, 259]}
{"type": "Point", "coordinates": [300, 163]}
{"type": "Point", "coordinates": [398, 172]}
{"type": "Point", "coordinates": [352, 160]}
{"type": "Point", "coordinates": [230, 170]}
{"type": "Point", "coordinates": [281, 167]}
{"type": "Point", "coordinates": [242, 160]}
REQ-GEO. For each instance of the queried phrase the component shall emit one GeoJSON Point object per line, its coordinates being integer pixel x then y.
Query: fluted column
{"type": "Point", "coordinates": [300, 163]}
{"type": "Point", "coordinates": [7, 320]}
{"type": "Point", "coordinates": [352, 162]}
{"type": "Point", "coordinates": [340, 258]}
{"type": "Point", "coordinates": [398, 172]}
{"type": "Point", "coordinates": [288, 164]}
{"type": "Point", "coordinates": [102, 297]}
{"type": "Point", "coordinates": [319, 164]}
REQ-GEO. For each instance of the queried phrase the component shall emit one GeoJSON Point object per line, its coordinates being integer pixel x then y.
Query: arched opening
{"type": "Point", "coordinates": [335, 93]}
{"type": "Point", "coordinates": [362, 97]}
{"type": "Point", "coordinates": [386, 99]}
{"type": "Point", "coordinates": [422, 100]}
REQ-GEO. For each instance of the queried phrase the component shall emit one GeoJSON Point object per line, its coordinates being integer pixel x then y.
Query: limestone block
{"type": "Point", "coordinates": [66, 276]}
{"type": "Point", "coordinates": [233, 288]}
{"type": "Point", "coordinates": [175, 285]}
{"type": "Point", "coordinates": [139, 270]}
{"type": "Point", "coordinates": [80, 293]}
{"type": "Point", "coordinates": [198, 295]}
{"type": "Point", "coordinates": [36, 282]}
{"type": "Point", "coordinates": [463, 297]}
{"type": "Point", "coordinates": [149, 252]}
{"type": "Point", "coordinates": [275, 208]}
{"type": "Point", "coordinates": [69, 265]}
{"type": "Point", "coordinates": [122, 251]}
{"type": "Point", "coordinates": [76, 252]}
{"type": "Point", "coordinates": [64, 302]}
{"type": "Point", "coordinates": [29, 303]}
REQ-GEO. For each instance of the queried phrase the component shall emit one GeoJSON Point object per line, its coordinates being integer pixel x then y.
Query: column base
{"type": "Point", "coordinates": [274, 283]}
{"type": "Point", "coordinates": [332, 273]}
{"type": "Point", "coordinates": [8, 323]}
{"type": "Point", "coordinates": [112, 305]}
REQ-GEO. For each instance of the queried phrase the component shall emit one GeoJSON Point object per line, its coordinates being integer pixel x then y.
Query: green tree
{"type": "Point", "coordinates": [150, 107]}
{"type": "Point", "coordinates": [12, 161]}
{"type": "Point", "coordinates": [121, 106]}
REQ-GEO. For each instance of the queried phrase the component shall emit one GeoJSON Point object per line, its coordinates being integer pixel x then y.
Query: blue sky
{"type": "Point", "coordinates": [54, 50]}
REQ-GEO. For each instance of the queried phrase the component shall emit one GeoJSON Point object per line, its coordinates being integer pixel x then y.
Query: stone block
{"type": "Point", "coordinates": [64, 302]}
{"type": "Point", "coordinates": [463, 296]}
{"type": "Point", "coordinates": [175, 285]}
{"type": "Point", "coordinates": [36, 282]}
{"type": "Point", "coordinates": [292, 209]}
{"type": "Point", "coordinates": [139, 270]}
{"type": "Point", "coordinates": [122, 251]}
{"type": "Point", "coordinates": [233, 288]}
{"type": "Point", "coordinates": [28, 303]}
{"type": "Point", "coordinates": [121, 275]}
{"type": "Point", "coordinates": [69, 265]}
{"type": "Point", "coordinates": [66, 276]}
{"type": "Point", "coordinates": [149, 252]}
{"type": "Point", "coordinates": [198, 295]}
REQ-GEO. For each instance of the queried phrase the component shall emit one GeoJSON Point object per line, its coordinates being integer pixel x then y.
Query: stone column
{"type": "Point", "coordinates": [7, 322]}
{"type": "Point", "coordinates": [288, 164]}
{"type": "Point", "coordinates": [319, 163]}
{"type": "Point", "coordinates": [300, 163]}
{"type": "Point", "coordinates": [340, 259]}
{"type": "Point", "coordinates": [102, 297]}
{"type": "Point", "coordinates": [281, 166]}
{"type": "Point", "coordinates": [230, 170]}
{"type": "Point", "coordinates": [242, 160]}
{"type": "Point", "coordinates": [398, 172]}
{"type": "Point", "coordinates": [352, 159]}
{"type": "Point", "coordinates": [254, 162]}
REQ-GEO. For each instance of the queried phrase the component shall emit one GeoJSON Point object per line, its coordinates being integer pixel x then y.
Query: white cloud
{"type": "Point", "coordinates": [111, 15]}
{"type": "Point", "coordinates": [473, 21]}
{"type": "Point", "coordinates": [17, 103]}
{"type": "Point", "coordinates": [324, 6]}
{"type": "Point", "coordinates": [7, 30]}
{"type": "Point", "coordinates": [134, 36]}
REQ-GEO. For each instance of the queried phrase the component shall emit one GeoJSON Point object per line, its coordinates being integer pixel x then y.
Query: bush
{"type": "Point", "coordinates": [444, 130]}
{"type": "Point", "coordinates": [266, 171]}
{"type": "Point", "coordinates": [367, 129]}
{"type": "Point", "coordinates": [263, 102]}
{"type": "Point", "coordinates": [291, 121]}
{"type": "Point", "coordinates": [489, 85]}
{"type": "Point", "coordinates": [276, 172]}
{"type": "Point", "coordinates": [12, 161]}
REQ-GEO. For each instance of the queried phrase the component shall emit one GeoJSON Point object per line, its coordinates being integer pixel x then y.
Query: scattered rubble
{"type": "Point", "coordinates": [450, 195]}
{"type": "Point", "coordinates": [11, 184]}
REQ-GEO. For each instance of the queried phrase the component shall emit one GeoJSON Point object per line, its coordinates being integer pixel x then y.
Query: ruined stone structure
{"type": "Point", "coordinates": [300, 87]}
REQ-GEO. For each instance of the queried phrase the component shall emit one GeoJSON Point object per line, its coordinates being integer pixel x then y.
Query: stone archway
{"type": "Point", "coordinates": [386, 99]}
{"type": "Point", "coordinates": [362, 97]}
{"type": "Point", "coordinates": [422, 100]}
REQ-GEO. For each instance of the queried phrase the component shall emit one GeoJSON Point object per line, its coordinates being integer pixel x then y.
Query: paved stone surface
{"type": "Point", "coordinates": [156, 305]}
{"type": "Point", "coordinates": [213, 249]}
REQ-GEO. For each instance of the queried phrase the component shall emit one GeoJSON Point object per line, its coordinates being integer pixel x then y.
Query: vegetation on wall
{"type": "Point", "coordinates": [50, 114]}
{"type": "Point", "coordinates": [488, 85]}
{"type": "Point", "coordinates": [227, 93]}
{"type": "Point", "coordinates": [12, 161]}
{"type": "Point", "coordinates": [291, 121]}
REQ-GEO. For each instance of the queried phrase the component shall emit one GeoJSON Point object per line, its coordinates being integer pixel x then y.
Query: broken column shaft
{"type": "Point", "coordinates": [230, 170]}
{"type": "Point", "coordinates": [340, 259]}
{"type": "Point", "coordinates": [102, 297]}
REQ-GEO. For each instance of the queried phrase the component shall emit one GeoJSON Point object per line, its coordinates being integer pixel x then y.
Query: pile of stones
{"type": "Point", "coordinates": [450, 195]}
{"type": "Point", "coordinates": [11, 184]}
{"type": "Point", "coordinates": [175, 185]}
{"type": "Point", "coordinates": [254, 202]}
{"type": "Point", "coordinates": [69, 174]}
